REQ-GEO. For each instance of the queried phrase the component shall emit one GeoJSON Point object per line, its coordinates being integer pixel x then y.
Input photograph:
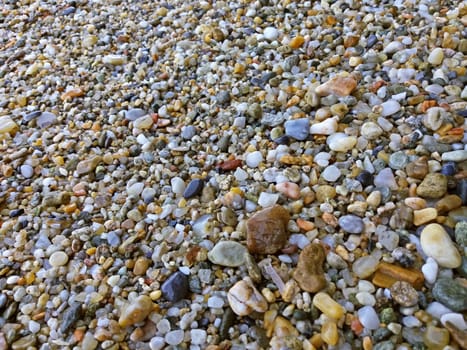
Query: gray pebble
{"type": "Point", "coordinates": [351, 223]}
{"type": "Point", "coordinates": [297, 128]}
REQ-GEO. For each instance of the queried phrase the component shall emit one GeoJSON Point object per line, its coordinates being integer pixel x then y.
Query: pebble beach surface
{"type": "Point", "coordinates": [269, 174]}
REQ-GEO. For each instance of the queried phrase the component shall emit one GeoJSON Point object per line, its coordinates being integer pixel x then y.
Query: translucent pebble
{"type": "Point", "coordinates": [365, 266]}
{"type": "Point", "coordinates": [178, 185]}
{"type": "Point", "coordinates": [368, 317]}
{"type": "Point", "coordinates": [156, 343]}
{"type": "Point", "coordinates": [436, 56]}
{"type": "Point", "coordinates": [268, 199]}
{"type": "Point", "coordinates": [27, 171]}
{"type": "Point", "coordinates": [456, 319]}
{"type": "Point", "coordinates": [328, 306]}
{"type": "Point", "coordinates": [366, 298]}
{"type": "Point", "coordinates": [390, 107]}
{"type": "Point", "coordinates": [271, 33]}
{"type": "Point", "coordinates": [198, 336]}
{"type": "Point", "coordinates": [331, 173]}
{"type": "Point", "coordinates": [58, 258]}
{"type": "Point", "coordinates": [436, 309]}
{"type": "Point", "coordinates": [411, 321]}
{"type": "Point", "coordinates": [135, 189]}
{"type": "Point", "coordinates": [114, 59]}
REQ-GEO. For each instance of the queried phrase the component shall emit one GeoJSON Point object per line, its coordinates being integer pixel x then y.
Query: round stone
{"type": "Point", "coordinates": [331, 173]}
{"type": "Point", "coordinates": [58, 259]}
{"type": "Point", "coordinates": [271, 33]}
{"type": "Point", "coordinates": [351, 224]}
{"type": "Point", "coordinates": [27, 171]}
{"type": "Point", "coordinates": [228, 253]}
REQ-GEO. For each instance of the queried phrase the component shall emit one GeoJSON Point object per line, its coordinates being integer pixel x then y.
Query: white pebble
{"type": "Point", "coordinates": [390, 107]}
{"type": "Point", "coordinates": [254, 159]}
{"type": "Point", "coordinates": [271, 33]}
{"type": "Point", "coordinates": [368, 317]}
{"type": "Point", "coordinates": [411, 321]}
{"type": "Point", "coordinates": [268, 199]}
{"type": "Point", "coordinates": [456, 319]}
{"type": "Point", "coordinates": [135, 189]}
{"type": "Point", "coordinates": [174, 337]}
{"type": "Point", "coordinates": [436, 56]}
{"type": "Point", "coordinates": [331, 173]}
{"type": "Point", "coordinates": [216, 302]}
{"type": "Point", "coordinates": [178, 185]}
{"type": "Point", "coordinates": [27, 171]}
{"type": "Point", "coordinates": [437, 309]}
{"type": "Point", "coordinates": [198, 336]}
{"type": "Point", "coordinates": [156, 343]}
{"type": "Point", "coordinates": [58, 258]}
{"type": "Point", "coordinates": [366, 298]}
{"type": "Point", "coordinates": [430, 270]}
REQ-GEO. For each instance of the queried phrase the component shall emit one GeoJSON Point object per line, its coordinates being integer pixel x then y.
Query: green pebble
{"type": "Point", "coordinates": [461, 233]}
{"type": "Point", "coordinates": [384, 345]}
{"type": "Point", "coordinates": [388, 315]}
{"type": "Point", "coordinates": [451, 294]}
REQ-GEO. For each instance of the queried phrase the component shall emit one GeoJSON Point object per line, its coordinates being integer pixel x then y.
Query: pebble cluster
{"type": "Point", "coordinates": [265, 174]}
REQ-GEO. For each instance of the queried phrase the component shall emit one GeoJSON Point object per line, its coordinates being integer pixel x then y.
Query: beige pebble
{"type": "Point", "coordinates": [437, 244]}
{"type": "Point", "coordinates": [244, 298]}
{"type": "Point", "coordinates": [58, 258]}
{"type": "Point", "coordinates": [424, 216]}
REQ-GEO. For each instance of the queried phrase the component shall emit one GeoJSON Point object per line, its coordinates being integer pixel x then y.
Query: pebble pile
{"type": "Point", "coordinates": [264, 174]}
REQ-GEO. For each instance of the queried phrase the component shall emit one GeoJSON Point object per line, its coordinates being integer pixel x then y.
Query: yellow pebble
{"type": "Point", "coordinates": [329, 333]}
{"type": "Point", "coordinates": [91, 251]}
{"type": "Point", "coordinates": [328, 306]}
{"type": "Point", "coordinates": [296, 42]}
{"type": "Point", "coordinates": [155, 295]}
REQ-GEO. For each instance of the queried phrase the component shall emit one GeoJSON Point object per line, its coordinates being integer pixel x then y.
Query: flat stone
{"type": "Point", "coordinates": [433, 186]}
{"type": "Point", "coordinates": [436, 243]}
{"type": "Point", "coordinates": [351, 223]}
{"type": "Point", "coordinates": [135, 113]}
{"type": "Point", "coordinates": [309, 273]}
{"type": "Point", "coordinates": [228, 253]}
{"type": "Point", "coordinates": [451, 293]}
{"type": "Point", "coordinates": [70, 316]}
{"type": "Point", "coordinates": [390, 107]}
{"type": "Point", "coordinates": [339, 86]}
{"type": "Point", "coordinates": [194, 188]}
{"type": "Point", "coordinates": [175, 288]}
{"type": "Point", "coordinates": [424, 216]}
{"type": "Point", "coordinates": [267, 230]}
{"type": "Point", "coordinates": [297, 128]}
{"type": "Point", "coordinates": [454, 156]}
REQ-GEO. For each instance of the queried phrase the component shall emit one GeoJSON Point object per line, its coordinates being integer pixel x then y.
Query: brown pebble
{"type": "Point", "coordinates": [340, 86]}
{"type": "Point", "coordinates": [418, 168]}
{"type": "Point", "coordinates": [309, 272]}
{"type": "Point", "coordinates": [448, 203]}
{"type": "Point", "coordinates": [141, 266]}
{"type": "Point", "coordinates": [267, 230]}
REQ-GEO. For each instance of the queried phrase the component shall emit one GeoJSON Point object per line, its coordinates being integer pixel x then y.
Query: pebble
{"type": "Point", "coordinates": [368, 317]}
{"type": "Point", "coordinates": [289, 189]}
{"type": "Point", "coordinates": [326, 127]}
{"type": "Point", "coordinates": [430, 270]}
{"type": "Point", "coordinates": [297, 128]}
{"type": "Point", "coordinates": [331, 173]}
{"type": "Point", "coordinates": [309, 273]}
{"type": "Point", "coordinates": [328, 306]}
{"type": "Point", "coordinates": [228, 253]}
{"type": "Point", "coordinates": [404, 294]}
{"type": "Point", "coordinates": [70, 316]}
{"type": "Point", "coordinates": [27, 171]}
{"type": "Point", "coordinates": [193, 188]}
{"type": "Point", "coordinates": [351, 224]}
{"type": "Point", "coordinates": [451, 293]}
{"type": "Point", "coordinates": [271, 33]}
{"type": "Point", "coordinates": [114, 59]}
{"type": "Point", "coordinates": [46, 119]}
{"type": "Point", "coordinates": [436, 56]}
{"type": "Point", "coordinates": [433, 186]}
{"type": "Point", "coordinates": [174, 337]}
{"type": "Point", "coordinates": [341, 142]}
{"type": "Point", "coordinates": [267, 199]}
{"type": "Point", "coordinates": [143, 123]}
{"type": "Point", "coordinates": [390, 107]}
{"type": "Point", "coordinates": [371, 131]}
{"type": "Point", "coordinates": [135, 113]}
{"type": "Point", "coordinates": [58, 259]}
{"type": "Point", "coordinates": [454, 156]}
{"type": "Point", "coordinates": [339, 86]}
{"type": "Point", "coordinates": [267, 230]}
{"type": "Point", "coordinates": [254, 159]}
{"type": "Point", "coordinates": [385, 178]}
{"type": "Point", "coordinates": [244, 298]}
{"type": "Point", "coordinates": [437, 244]}
{"type": "Point", "coordinates": [136, 311]}
{"type": "Point", "coordinates": [175, 288]}
{"type": "Point", "coordinates": [460, 233]}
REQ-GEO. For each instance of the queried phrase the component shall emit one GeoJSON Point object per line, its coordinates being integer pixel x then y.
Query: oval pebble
{"type": "Point", "coordinates": [58, 258]}
{"type": "Point", "coordinates": [228, 253]}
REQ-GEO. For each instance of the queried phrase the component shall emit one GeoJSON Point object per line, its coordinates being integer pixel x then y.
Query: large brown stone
{"type": "Point", "coordinates": [267, 230]}
{"type": "Point", "coordinates": [309, 273]}
{"type": "Point", "coordinates": [434, 185]}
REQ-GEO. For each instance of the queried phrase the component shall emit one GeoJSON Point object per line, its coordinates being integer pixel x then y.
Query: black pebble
{"type": "Point", "coordinates": [175, 288]}
{"type": "Point", "coordinates": [462, 190]}
{"type": "Point", "coordinates": [365, 178]}
{"type": "Point", "coordinates": [194, 188]}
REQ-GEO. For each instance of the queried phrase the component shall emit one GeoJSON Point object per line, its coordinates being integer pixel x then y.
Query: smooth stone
{"type": "Point", "coordinates": [244, 298]}
{"type": "Point", "coordinates": [228, 253]}
{"type": "Point", "coordinates": [433, 186]}
{"type": "Point", "coordinates": [390, 107]}
{"type": "Point", "coordinates": [135, 113]}
{"type": "Point", "coordinates": [351, 224]}
{"type": "Point", "coordinates": [455, 318]}
{"type": "Point", "coordinates": [268, 199]}
{"type": "Point", "coordinates": [404, 294]}
{"type": "Point", "coordinates": [393, 47]}
{"type": "Point", "coordinates": [368, 317]}
{"type": "Point", "coordinates": [309, 273]}
{"type": "Point", "coordinates": [58, 259]}
{"type": "Point", "coordinates": [388, 239]}
{"type": "Point", "coordinates": [436, 56]}
{"type": "Point", "coordinates": [430, 270]}
{"type": "Point", "coordinates": [289, 189]}
{"type": "Point", "coordinates": [461, 190]}
{"type": "Point", "coordinates": [341, 142]}
{"type": "Point", "coordinates": [253, 159]}
{"type": "Point", "coordinates": [267, 230]}
{"type": "Point", "coordinates": [385, 178]}
{"type": "Point", "coordinates": [326, 127]}
{"type": "Point", "coordinates": [143, 123]}
{"type": "Point", "coordinates": [174, 337]}
{"type": "Point", "coordinates": [418, 168]}
{"type": "Point", "coordinates": [365, 266]}
{"type": "Point", "coordinates": [398, 160]}
{"type": "Point", "coordinates": [115, 60]}
{"type": "Point", "coordinates": [451, 293]}
{"type": "Point", "coordinates": [136, 311]}
{"type": "Point", "coordinates": [194, 188]}
{"type": "Point", "coordinates": [339, 86]}
{"type": "Point", "coordinates": [297, 128]}
{"type": "Point", "coordinates": [270, 33]}
{"type": "Point", "coordinates": [424, 216]}
{"type": "Point", "coordinates": [24, 343]}
{"type": "Point", "coordinates": [175, 288]}
{"type": "Point", "coordinates": [31, 115]}
{"type": "Point", "coordinates": [449, 168]}
{"type": "Point", "coordinates": [455, 156]}
{"type": "Point", "coordinates": [436, 243]}
{"type": "Point", "coordinates": [27, 171]}
{"type": "Point", "coordinates": [88, 165]}
{"type": "Point", "coordinates": [371, 130]}
{"type": "Point", "coordinates": [365, 178]}
{"type": "Point", "coordinates": [331, 173]}
{"type": "Point", "coordinates": [188, 132]}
